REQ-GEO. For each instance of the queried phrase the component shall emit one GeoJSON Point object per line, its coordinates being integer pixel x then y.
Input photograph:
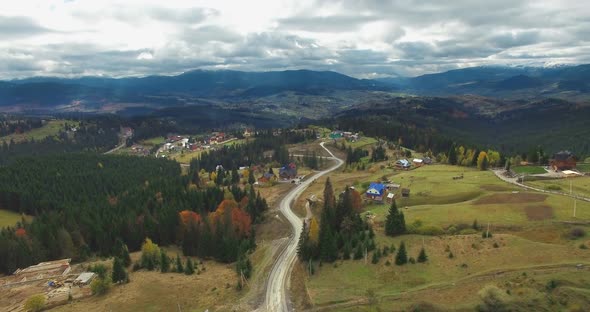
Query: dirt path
{"type": "Point", "coordinates": [500, 174]}
{"type": "Point", "coordinates": [278, 281]}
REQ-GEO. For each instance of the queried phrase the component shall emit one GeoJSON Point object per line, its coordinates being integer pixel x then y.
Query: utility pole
{"type": "Point", "coordinates": [488, 231]}
{"type": "Point", "coordinates": [575, 202]}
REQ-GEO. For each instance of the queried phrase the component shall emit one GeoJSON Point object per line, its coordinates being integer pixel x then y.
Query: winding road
{"type": "Point", "coordinates": [278, 281]}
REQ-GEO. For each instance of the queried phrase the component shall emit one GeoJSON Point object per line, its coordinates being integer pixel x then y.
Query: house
{"type": "Point", "coordinates": [392, 187]}
{"type": "Point", "coordinates": [248, 133]}
{"type": "Point", "coordinates": [390, 197]}
{"type": "Point", "coordinates": [288, 171]}
{"type": "Point", "coordinates": [403, 164]}
{"type": "Point", "coordinates": [427, 160]}
{"type": "Point", "coordinates": [336, 135]}
{"type": "Point", "coordinates": [126, 131]}
{"type": "Point", "coordinates": [418, 162]}
{"type": "Point", "coordinates": [43, 270]}
{"type": "Point", "coordinates": [405, 192]}
{"type": "Point", "coordinates": [267, 178]}
{"type": "Point", "coordinates": [84, 278]}
{"type": "Point", "coordinates": [564, 160]}
{"type": "Point", "coordinates": [375, 192]}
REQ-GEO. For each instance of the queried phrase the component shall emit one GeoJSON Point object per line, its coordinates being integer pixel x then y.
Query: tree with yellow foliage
{"type": "Point", "coordinates": [150, 254]}
{"type": "Point", "coordinates": [314, 231]}
{"type": "Point", "coordinates": [482, 161]}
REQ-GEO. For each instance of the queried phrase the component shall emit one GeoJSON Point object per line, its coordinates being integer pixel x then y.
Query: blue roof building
{"type": "Point", "coordinates": [376, 192]}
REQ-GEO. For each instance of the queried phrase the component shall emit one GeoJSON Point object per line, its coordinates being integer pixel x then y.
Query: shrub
{"type": "Point", "coordinates": [577, 232]}
{"type": "Point", "coordinates": [582, 246]}
{"type": "Point", "coordinates": [553, 187]}
{"type": "Point", "coordinates": [493, 299]}
{"type": "Point", "coordinates": [430, 230]}
{"type": "Point", "coordinates": [412, 260]}
{"type": "Point", "coordinates": [486, 234]}
{"type": "Point", "coordinates": [467, 232]}
{"type": "Point", "coordinates": [35, 303]}
{"type": "Point", "coordinates": [451, 256]}
{"type": "Point", "coordinates": [100, 270]}
{"type": "Point", "coordinates": [387, 263]}
{"type": "Point", "coordinates": [100, 286]}
{"type": "Point", "coordinates": [496, 245]}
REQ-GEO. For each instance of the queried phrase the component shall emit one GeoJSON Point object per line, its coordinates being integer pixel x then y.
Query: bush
{"type": "Point", "coordinates": [430, 230]}
{"type": "Point", "coordinates": [451, 256]}
{"type": "Point", "coordinates": [35, 303]}
{"type": "Point", "coordinates": [99, 269]}
{"type": "Point", "coordinates": [553, 187]}
{"type": "Point", "coordinates": [100, 286]}
{"type": "Point", "coordinates": [412, 260]}
{"type": "Point", "coordinates": [486, 234]}
{"type": "Point", "coordinates": [577, 232]}
{"type": "Point", "coordinates": [467, 232]}
{"type": "Point", "coordinates": [493, 299]}
{"type": "Point", "coordinates": [496, 245]}
{"type": "Point", "coordinates": [582, 246]}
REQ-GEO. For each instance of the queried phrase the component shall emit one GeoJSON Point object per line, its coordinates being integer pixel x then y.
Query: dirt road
{"type": "Point", "coordinates": [276, 287]}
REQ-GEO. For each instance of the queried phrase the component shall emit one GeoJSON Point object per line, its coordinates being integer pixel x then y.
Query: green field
{"type": "Point", "coordinates": [153, 141]}
{"type": "Point", "coordinates": [583, 167]}
{"type": "Point", "coordinates": [51, 128]}
{"type": "Point", "coordinates": [362, 142]}
{"type": "Point", "coordinates": [527, 237]}
{"type": "Point", "coordinates": [529, 169]}
{"type": "Point", "coordinates": [8, 218]}
{"type": "Point", "coordinates": [580, 185]}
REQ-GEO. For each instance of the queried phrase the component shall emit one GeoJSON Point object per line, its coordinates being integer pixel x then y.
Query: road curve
{"type": "Point", "coordinates": [276, 287]}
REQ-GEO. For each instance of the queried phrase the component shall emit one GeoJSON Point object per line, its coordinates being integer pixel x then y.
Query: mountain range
{"type": "Point", "coordinates": [293, 93]}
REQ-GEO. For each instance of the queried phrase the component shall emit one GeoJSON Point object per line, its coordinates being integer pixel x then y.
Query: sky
{"type": "Point", "coordinates": [364, 39]}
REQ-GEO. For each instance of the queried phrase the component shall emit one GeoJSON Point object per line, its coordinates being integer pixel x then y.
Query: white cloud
{"type": "Point", "coordinates": [361, 38]}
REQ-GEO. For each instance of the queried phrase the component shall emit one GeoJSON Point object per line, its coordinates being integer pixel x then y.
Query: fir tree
{"type": "Point", "coordinates": [118, 274]}
{"type": "Point", "coordinates": [422, 256]}
{"type": "Point", "coordinates": [401, 258]}
{"type": "Point", "coordinates": [395, 224]}
{"type": "Point", "coordinates": [164, 262]}
{"type": "Point", "coordinates": [251, 178]}
{"type": "Point", "coordinates": [375, 259]}
{"type": "Point", "coordinates": [189, 268]}
{"type": "Point", "coordinates": [179, 267]}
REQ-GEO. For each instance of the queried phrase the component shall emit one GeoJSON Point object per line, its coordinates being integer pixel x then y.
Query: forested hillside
{"type": "Point", "coordinates": [83, 203]}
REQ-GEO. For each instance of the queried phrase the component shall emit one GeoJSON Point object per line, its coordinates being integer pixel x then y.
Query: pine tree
{"type": "Point", "coordinates": [179, 267]}
{"type": "Point", "coordinates": [251, 178]}
{"type": "Point", "coordinates": [164, 262]}
{"type": "Point", "coordinates": [375, 259]}
{"type": "Point", "coordinates": [395, 224]}
{"type": "Point", "coordinates": [189, 268]}
{"type": "Point", "coordinates": [401, 258]}
{"type": "Point", "coordinates": [422, 257]}
{"type": "Point", "coordinates": [118, 274]}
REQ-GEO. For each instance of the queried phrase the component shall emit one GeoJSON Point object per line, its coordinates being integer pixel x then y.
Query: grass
{"type": "Point", "coordinates": [525, 225]}
{"type": "Point", "coordinates": [8, 218]}
{"type": "Point", "coordinates": [51, 128]}
{"type": "Point", "coordinates": [529, 169]}
{"type": "Point", "coordinates": [362, 142]}
{"type": "Point", "coordinates": [580, 185]}
{"type": "Point", "coordinates": [583, 167]}
{"type": "Point", "coordinates": [153, 141]}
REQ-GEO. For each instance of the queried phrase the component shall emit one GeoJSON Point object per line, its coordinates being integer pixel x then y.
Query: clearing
{"type": "Point", "coordinates": [9, 218]}
{"type": "Point", "coordinates": [530, 236]}
{"type": "Point", "coordinates": [580, 185]}
{"type": "Point", "coordinates": [51, 128]}
{"type": "Point", "coordinates": [529, 169]}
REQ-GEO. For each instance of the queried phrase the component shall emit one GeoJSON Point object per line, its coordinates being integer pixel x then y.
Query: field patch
{"type": "Point", "coordinates": [537, 213]}
{"type": "Point", "coordinates": [510, 198]}
{"type": "Point", "coordinates": [529, 169]}
{"type": "Point", "coordinates": [8, 218]}
{"type": "Point", "coordinates": [495, 188]}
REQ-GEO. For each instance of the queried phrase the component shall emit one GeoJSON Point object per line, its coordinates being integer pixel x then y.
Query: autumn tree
{"type": "Point", "coordinates": [150, 254]}
{"type": "Point", "coordinates": [314, 231]}
{"type": "Point", "coordinates": [482, 161]}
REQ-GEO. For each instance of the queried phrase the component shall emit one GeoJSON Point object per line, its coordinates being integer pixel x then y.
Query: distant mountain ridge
{"type": "Point", "coordinates": [503, 82]}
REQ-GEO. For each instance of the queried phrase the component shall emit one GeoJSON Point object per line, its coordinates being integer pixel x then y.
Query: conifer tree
{"type": "Point", "coordinates": [422, 257]}
{"type": "Point", "coordinates": [452, 155]}
{"type": "Point", "coordinates": [395, 224]}
{"type": "Point", "coordinates": [251, 178]}
{"type": "Point", "coordinates": [118, 274]}
{"type": "Point", "coordinates": [179, 267]}
{"type": "Point", "coordinates": [164, 262]}
{"type": "Point", "coordinates": [189, 268]}
{"type": "Point", "coordinates": [402, 257]}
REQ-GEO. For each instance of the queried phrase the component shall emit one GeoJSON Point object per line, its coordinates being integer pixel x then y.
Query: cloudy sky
{"type": "Point", "coordinates": [360, 38]}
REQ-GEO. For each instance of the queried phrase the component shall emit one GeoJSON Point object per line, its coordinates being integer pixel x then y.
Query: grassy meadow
{"type": "Point", "coordinates": [51, 128]}
{"type": "Point", "coordinates": [530, 236]}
